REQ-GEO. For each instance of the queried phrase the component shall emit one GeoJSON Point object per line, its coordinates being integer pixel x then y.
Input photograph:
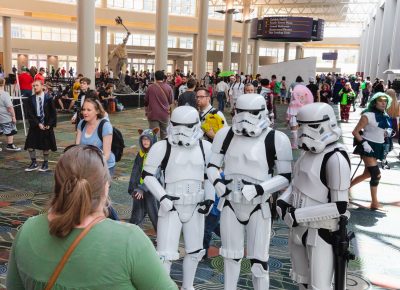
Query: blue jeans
{"type": "Point", "coordinates": [212, 225]}
{"type": "Point", "coordinates": [221, 101]}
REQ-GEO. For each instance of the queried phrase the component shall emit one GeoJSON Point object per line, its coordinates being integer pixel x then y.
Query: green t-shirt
{"type": "Point", "coordinates": [113, 255]}
{"type": "Point", "coordinates": [346, 97]}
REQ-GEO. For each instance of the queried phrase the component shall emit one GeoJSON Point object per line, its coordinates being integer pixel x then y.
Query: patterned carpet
{"type": "Point", "coordinates": [26, 194]}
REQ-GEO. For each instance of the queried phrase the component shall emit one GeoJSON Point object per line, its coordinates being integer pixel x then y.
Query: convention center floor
{"type": "Point", "coordinates": [377, 242]}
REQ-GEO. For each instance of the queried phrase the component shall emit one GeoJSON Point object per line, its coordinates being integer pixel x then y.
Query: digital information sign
{"type": "Point", "coordinates": [287, 29]}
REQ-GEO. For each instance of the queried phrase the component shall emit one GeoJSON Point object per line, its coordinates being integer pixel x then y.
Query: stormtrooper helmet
{"type": "Point", "coordinates": [184, 128]}
{"type": "Point", "coordinates": [250, 115]}
{"type": "Point", "coordinates": [318, 127]}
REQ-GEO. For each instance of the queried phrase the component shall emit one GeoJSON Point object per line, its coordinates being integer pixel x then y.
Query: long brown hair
{"type": "Point", "coordinates": [393, 110]}
{"type": "Point", "coordinates": [80, 180]}
{"type": "Point", "coordinates": [97, 106]}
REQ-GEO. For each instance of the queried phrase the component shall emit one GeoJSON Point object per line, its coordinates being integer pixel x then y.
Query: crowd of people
{"type": "Point", "coordinates": [194, 137]}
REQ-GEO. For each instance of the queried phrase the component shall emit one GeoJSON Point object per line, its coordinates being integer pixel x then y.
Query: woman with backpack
{"type": "Point", "coordinates": [87, 134]}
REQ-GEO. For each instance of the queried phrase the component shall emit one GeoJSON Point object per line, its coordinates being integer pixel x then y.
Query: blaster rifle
{"type": "Point", "coordinates": [341, 244]}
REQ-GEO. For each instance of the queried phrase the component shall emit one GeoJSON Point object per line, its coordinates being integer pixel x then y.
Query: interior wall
{"type": "Point", "coordinates": [305, 67]}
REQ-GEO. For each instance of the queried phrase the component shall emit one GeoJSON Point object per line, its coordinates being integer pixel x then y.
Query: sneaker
{"type": "Point", "coordinates": [32, 167]}
{"type": "Point", "coordinates": [12, 147]}
{"type": "Point", "coordinates": [45, 166]}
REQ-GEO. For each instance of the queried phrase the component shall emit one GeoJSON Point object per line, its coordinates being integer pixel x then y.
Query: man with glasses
{"type": "Point", "coordinates": [211, 119]}
{"type": "Point", "coordinates": [42, 117]}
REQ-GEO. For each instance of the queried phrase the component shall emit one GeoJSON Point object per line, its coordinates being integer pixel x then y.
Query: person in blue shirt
{"type": "Point", "coordinates": [87, 131]}
{"type": "Point", "coordinates": [87, 134]}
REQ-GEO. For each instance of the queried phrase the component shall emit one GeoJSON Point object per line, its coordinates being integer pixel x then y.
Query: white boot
{"type": "Point", "coordinates": [167, 265]}
{"type": "Point", "coordinates": [190, 263]}
{"type": "Point", "coordinates": [231, 273]}
{"type": "Point", "coordinates": [260, 277]}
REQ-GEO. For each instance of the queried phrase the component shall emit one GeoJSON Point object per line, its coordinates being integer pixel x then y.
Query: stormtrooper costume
{"type": "Point", "coordinates": [316, 198]}
{"type": "Point", "coordinates": [248, 185]}
{"type": "Point", "coordinates": [186, 196]}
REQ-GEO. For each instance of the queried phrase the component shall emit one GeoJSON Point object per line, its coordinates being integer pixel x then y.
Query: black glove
{"type": "Point", "coordinates": [282, 207]}
{"type": "Point", "coordinates": [207, 204]}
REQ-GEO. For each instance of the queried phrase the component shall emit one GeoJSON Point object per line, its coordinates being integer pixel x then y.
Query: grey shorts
{"type": "Point", "coordinates": [8, 129]}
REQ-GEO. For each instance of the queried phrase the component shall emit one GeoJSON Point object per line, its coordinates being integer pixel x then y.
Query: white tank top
{"type": "Point", "coordinates": [372, 132]}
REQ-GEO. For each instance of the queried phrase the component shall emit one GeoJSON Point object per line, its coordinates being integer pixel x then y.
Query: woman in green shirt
{"type": "Point", "coordinates": [113, 255]}
{"type": "Point", "coordinates": [347, 96]}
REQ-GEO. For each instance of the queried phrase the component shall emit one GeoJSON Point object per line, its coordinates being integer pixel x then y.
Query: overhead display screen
{"type": "Point", "coordinates": [287, 29]}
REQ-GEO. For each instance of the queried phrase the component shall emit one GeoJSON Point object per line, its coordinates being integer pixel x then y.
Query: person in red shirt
{"type": "Point", "coordinates": [25, 82]}
{"type": "Point", "coordinates": [63, 72]}
{"type": "Point", "coordinates": [39, 76]}
{"type": "Point", "coordinates": [178, 82]}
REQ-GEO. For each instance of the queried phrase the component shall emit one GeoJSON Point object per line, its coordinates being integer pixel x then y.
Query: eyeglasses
{"type": "Point", "coordinates": [201, 96]}
{"type": "Point", "coordinates": [98, 151]}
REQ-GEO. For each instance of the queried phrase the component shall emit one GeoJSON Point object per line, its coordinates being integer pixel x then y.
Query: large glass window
{"type": "Point", "coordinates": [37, 60]}
{"type": "Point", "coordinates": [182, 7]}
{"type": "Point", "coordinates": [170, 66]}
{"type": "Point", "coordinates": [187, 66]}
{"type": "Point", "coordinates": [171, 41]}
{"type": "Point", "coordinates": [219, 45]}
{"type": "Point", "coordinates": [235, 47]}
{"type": "Point", "coordinates": [235, 66]}
{"type": "Point", "coordinates": [138, 64]}
{"type": "Point", "coordinates": [25, 31]}
{"type": "Point", "coordinates": [210, 44]}
{"type": "Point", "coordinates": [186, 42]}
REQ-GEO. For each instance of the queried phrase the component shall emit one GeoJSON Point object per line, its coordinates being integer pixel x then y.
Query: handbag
{"type": "Point", "coordinates": [64, 259]}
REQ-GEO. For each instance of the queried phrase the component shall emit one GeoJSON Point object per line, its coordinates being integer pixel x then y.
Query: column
{"type": "Point", "coordinates": [7, 57]}
{"type": "Point", "coordinates": [161, 58]}
{"type": "Point", "coordinates": [394, 52]}
{"type": "Point", "coordinates": [375, 43]}
{"type": "Point", "coordinates": [103, 3]}
{"type": "Point", "coordinates": [361, 50]}
{"type": "Point", "coordinates": [299, 52]}
{"type": "Point", "coordinates": [103, 48]}
{"type": "Point", "coordinates": [385, 42]}
{"type": "Point", "coordinates": [243, 47]}
{"type": "Point", "coordinates": [112, 38]}
{"type": "Point", "coordinates": [201, 58]}
{"type": "Point", "coordinates": [334, 63]}
{"type": "Point", "coordinates": [286, 51]}
{"type": "Point", "coordinates": [194, 55]}
{"type": "Point", "coordinates": [366, 50]}
{"type": "Point", "coordinates": [245, 37]}
{"type": "Point", "coordinates": [369, 47]}
{"type": "Point", "coordinates": [226, 57]}
{"type": "Point", "coordinates": [256, 56]}
{"type": "Point", "coordinates": [86, 43]}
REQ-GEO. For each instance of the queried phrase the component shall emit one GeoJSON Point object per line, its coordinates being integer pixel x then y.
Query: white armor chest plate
{"type": "Point", "coordinates": [246, 157]}
{"type": "Point", "coordinates": [185, 164]}
{"type": "Point", "coordinates": [308, 189]}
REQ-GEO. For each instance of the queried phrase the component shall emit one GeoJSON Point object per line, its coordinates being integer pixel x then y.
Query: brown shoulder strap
{"type": "Point", "coordinates": [162, 90]}
{"type": "Point", "coordinates": [68, 253]}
